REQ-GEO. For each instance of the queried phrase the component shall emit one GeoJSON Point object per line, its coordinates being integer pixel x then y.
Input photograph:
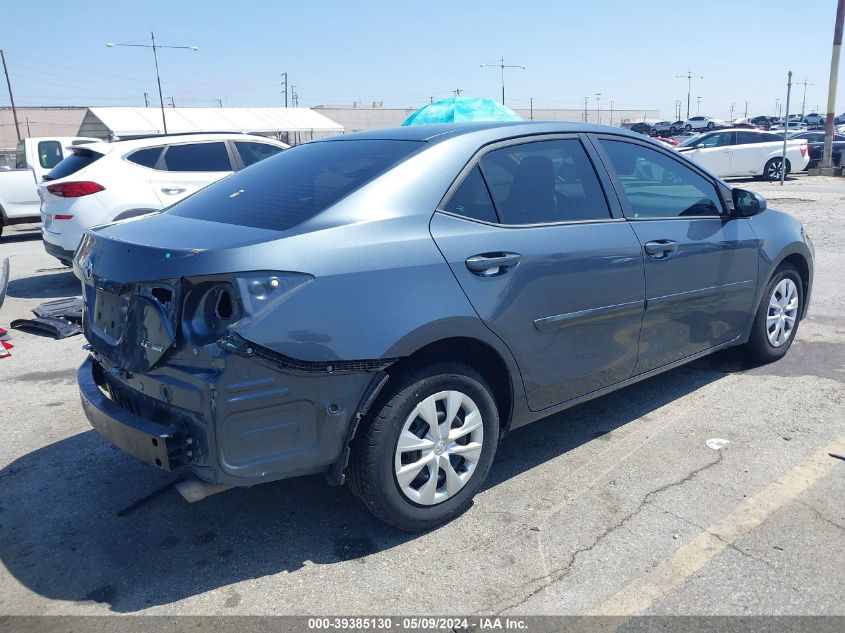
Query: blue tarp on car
{"type": "Point", "coordinates": [462, 109]}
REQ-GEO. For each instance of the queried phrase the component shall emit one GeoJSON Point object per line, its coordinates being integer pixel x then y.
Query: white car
{"type": "Point", "coordinates": [794, 126]}
{"type": "Point", "coordinates": [814, 118]}
{"type": "Point", "coordinates": [703, 123]}
{"type": "Point", "coordinates": [744, 152]}
{"type": "Point", "coordinates": [103, 182]}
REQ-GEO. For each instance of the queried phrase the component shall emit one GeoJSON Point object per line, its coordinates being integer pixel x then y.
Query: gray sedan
{"type": "Point", "coordinates": [384, 307]}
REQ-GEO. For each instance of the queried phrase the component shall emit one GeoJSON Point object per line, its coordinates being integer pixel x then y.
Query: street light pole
{"type": "Point", "coordinates": [598, 107]}
{"type": "Point", "coordinates": [155, 48]}
{"type": "Point", "coordinates": [502, 65]}
{"type": "Point", "coordinates": [698, 106]}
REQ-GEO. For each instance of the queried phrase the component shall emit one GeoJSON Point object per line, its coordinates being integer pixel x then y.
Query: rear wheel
{"type": "Point", "coordinates": [688, 127]}
{"type": "Point", "coordinates": [778, 316]}
{"type": "Point", "coordinates": [710, 125]}
{"type": "Point", "coordinates": [426, 451]}
{"type": "Point", "coordinates": [773, 168]}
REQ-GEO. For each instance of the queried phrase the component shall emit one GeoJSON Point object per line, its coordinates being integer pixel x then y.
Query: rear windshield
{"type": "Point", "coordinates": [295, 185]}
{"type": "Point", "coordinates": [73, 163]}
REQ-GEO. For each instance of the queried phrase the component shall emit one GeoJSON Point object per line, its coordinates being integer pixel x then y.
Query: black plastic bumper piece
{"type": "Point", "coordinates": [155, 444]}
{"type": "Point", "coordinates": [64, 256]}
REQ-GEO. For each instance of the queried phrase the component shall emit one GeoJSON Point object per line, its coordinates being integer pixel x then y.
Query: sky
{"type": "Point", "coordinates": [404, 53]}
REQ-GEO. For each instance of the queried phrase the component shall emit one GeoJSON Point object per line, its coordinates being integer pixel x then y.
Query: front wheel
{"type": "Point", "coordinates": [426, 450]}
{"type": "Point", "coordinates": [710, 125]}
{"type": "Point", "coordinates": [777, 318]}
{"type": "Point", "coordinates": [688, 127]}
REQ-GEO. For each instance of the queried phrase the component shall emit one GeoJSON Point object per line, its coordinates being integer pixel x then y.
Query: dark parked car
{"type": "Point", "coordinates": [642, 128]}
{"type": "Point", "coordinates": [385, 306]}
{"type": "Point", "coordinates": [815, 140]}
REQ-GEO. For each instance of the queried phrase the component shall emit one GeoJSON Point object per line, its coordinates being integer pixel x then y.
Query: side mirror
{"type": "Point", "coordinates": [747, 203]}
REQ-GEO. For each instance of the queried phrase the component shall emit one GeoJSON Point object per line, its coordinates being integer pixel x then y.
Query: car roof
{"type": "Point", "coordinates": [502, 129]}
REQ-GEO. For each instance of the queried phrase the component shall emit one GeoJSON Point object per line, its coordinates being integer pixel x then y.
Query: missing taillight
{"type": "Point", "coordinates": [162, 295]}
{"type": "Point", "coordinates": [224, 305]}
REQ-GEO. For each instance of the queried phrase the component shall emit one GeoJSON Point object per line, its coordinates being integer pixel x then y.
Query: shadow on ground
{"type": "Point", "coordinates": [80, 520]}
{"type": "Point", "coordinates": [47, 286]}
{"type": "Point", "coordinates": [11, 235]}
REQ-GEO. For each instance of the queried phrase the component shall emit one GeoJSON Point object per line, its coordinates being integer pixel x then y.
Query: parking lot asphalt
{"type": "Point", "coordinates": [616, 506]}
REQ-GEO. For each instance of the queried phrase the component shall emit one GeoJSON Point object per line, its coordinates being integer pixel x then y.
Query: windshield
{"type": "Point", "coordinates": [291, 187]}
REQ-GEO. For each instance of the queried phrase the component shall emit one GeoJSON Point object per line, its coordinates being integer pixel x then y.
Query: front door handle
{"type": "Point", "coordinates": [660, 249]}
{"type": "Point", "coordinates": [489, 264]}
{"type": "Point", "coordinates": [172, 191]}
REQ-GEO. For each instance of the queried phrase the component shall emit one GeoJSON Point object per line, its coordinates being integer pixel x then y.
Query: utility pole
{"type": "Point", "coordinates": [431, 99]}
{"type": "Point", "coordinates": [698, 106]}
{"type": "Point", "coordinates": [146, 100]}
{"type": "Point", "coordinates": [172, 102]}
{"type": "Point", "coordinates": [457, 92]}
{"type": "Point", "coordinates": [827, 155]}
{"type": "Point", "coordinates": [28, 132]}
{"type": "Point", "coordinates": [731, 118]}
{"type": "Point", "coordinates": [785, 128]}
{"type": "Point", "coordinates": [11, 98]}
{"type": "Point", "coordinates": [611, 111]}
{"type": "Point", "coordinates": [294, 96]}
{"type": "Point", "coordinates": [285, 84]}
{"type": "Point", "coordinates": [586, 101]}
{"type": "Point", "coordinates": [155, 48]}
{"type": "Point", "coordinates": [746, 108]}
{"type": "Point", "coordinates": [804, 98]}
{"type": "Point", "coordinates": [219, 102]}
{"type": "Point", "coordinates": [531, 108]}
{"type": "Point", "coordinates": [688, 77]}
{"type": "Point", "coordinates": [501, 65]}
{"type": "Point", "coordinates": [777, 108]}
{"type": "Point", "coordinates": [598, 107]}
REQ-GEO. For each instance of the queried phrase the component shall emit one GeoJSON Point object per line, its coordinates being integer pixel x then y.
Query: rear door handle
{"type": "Point", "coordinates": [172, 191]}
{"type": "Point", "coordinates": [489, 264]}
{"type": "Point", "coordinates": [660, 249]}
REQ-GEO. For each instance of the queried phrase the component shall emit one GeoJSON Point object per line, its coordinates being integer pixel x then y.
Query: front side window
{"type": "Point", "coordinates": [719, 139]}
{"type": "Point", "coordinates": [472, 199]}
{"type": "Point", "coordinates": [253, 152]}
{"type": "Point", "coordinates": [658, 186]}
{"type": "Point", "coordinates": [197, 157]}
{"type": "Point", "coordinates": [543, 182]}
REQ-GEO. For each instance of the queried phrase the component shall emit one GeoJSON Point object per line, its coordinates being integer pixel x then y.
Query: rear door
{"type": "Point", "coordinates": [548, 263]}
{"type": "Point", "coordinates": [185, 168]}
{"type": "Point", "coordinates": [700, 264]}
{"type": "Point", "coordinates": [750, 152]}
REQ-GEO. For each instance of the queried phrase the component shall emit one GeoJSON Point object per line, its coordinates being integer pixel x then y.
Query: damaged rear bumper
{"type": "Point", "coordinates": [241, 421]}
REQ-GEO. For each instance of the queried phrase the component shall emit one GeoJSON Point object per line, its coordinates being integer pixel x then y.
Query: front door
{"type": "Point", "coordinates": [700, 265]}
{"type": "Point", "coordinates": [714, 152]}
{"type": "Point", "coordinates": [546, 266]}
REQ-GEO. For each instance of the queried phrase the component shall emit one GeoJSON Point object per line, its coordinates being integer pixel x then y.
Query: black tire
{"type": "Point", "coordinates": [673, 130]}
{"type": "Point", "coordinates": [710, 125]}
{"type": "Point", "coordinates": [772, 169]}
{"type": "Point", "coordinates": [652, 132]}
{"type": "Point", "coordinates": [759, 349]}
{"type": "Point", "coordinates": [688, 127]}
{"type": "Point", "coordinates": [371, 468]}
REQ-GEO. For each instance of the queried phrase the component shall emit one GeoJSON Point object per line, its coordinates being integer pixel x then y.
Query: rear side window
{"type": "Point", "coordinates": [295, 185]}
{"type": "Point", "coordinates": [658, 186]}
{"type": "Point", "coordinates": [472, 199]}
{"type": "Point", "coordinates": [147, 157]}
{"type": "Point", "coordinates": [543, 182]}
{"type": "Point", "coordinates": [78, 159]}
{"type": "Point", "coordinates": [197, 157]}
{"type": "Point", "coordinates": [747, 138]}
{"type": "Point", "coordinates": [20, 156]}
{"type": "Point", "coordinates": [49, 154]}
{"type": "Point", "coordinates": [253, 152]}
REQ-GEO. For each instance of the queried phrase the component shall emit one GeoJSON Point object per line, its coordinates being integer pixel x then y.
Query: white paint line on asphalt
{"type": "Point", "coordinates": [749, 515]}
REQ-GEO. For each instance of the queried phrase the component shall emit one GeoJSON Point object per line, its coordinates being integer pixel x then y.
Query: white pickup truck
{"type": "Point", "coordinates": [34, 157]}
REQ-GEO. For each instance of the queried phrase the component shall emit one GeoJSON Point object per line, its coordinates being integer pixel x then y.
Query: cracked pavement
{"type": "Point", "coordinates": [580, 509]}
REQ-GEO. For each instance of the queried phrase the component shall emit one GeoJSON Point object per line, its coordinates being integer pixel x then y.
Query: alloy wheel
{"type": "Point", "coordinates": [782, 313]}
{"type": "Point", "coordinates": [774, 169]}
{"type": "Point", "coordinates": [439, 447]}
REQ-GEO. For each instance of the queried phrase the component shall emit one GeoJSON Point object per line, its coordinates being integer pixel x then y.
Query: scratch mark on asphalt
{"type": "Point", "coordinates": [139, 502]}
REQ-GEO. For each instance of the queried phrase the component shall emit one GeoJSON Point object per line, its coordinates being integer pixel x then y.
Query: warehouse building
{"type": "Point", "coordinates": [59, 121]}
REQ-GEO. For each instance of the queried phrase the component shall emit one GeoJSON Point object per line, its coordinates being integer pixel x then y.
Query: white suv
{"type": "Point", "coordinates": [103, 182]}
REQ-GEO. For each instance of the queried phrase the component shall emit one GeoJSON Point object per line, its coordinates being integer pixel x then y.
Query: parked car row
{"type": "Point", "coordinates": [103, 182]}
